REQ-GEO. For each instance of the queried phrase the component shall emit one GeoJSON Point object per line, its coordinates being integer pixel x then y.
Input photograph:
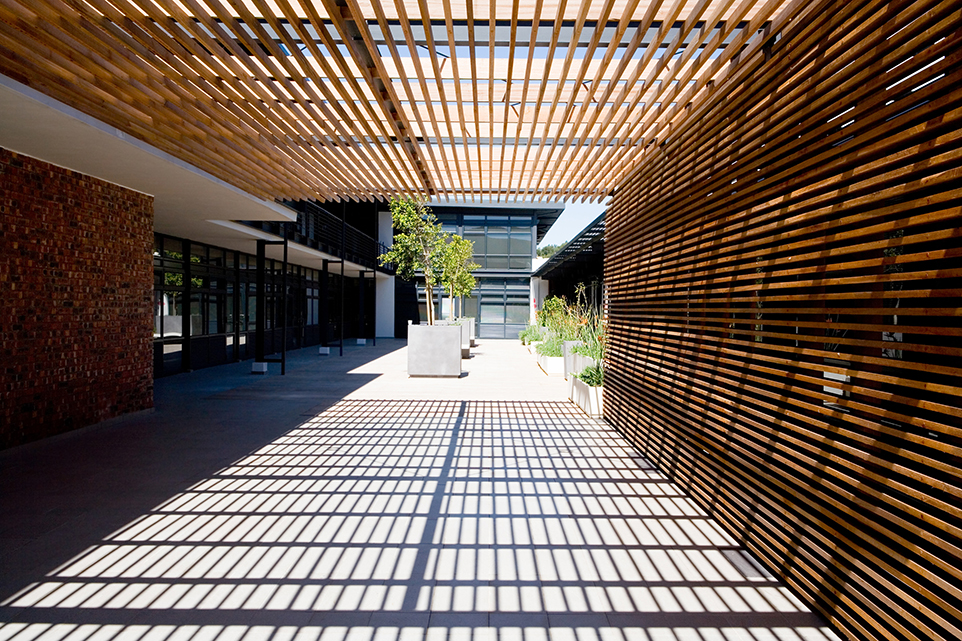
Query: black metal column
{"type": "Point", "coordinates": [185, 364]}
{"type": "Point", "coordinates": [284, 306]}
{"type": "Point", "coordinates": [260, 318]}
{"type": "Point", "coordinates": [325, 309]}
{"type": "Point", "coordinates": [360, 305]}
{"type": "Point", "coordinates": [343, 257]}
{"type": "Point", "coordinates": [235, 308]}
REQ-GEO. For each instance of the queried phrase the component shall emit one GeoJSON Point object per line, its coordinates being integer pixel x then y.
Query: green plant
{"type": "Point", "coordinates": [591, 328]}
{"type": "Point", "coordinates": [419, 245]}
{"type": "Point", "coordinates": [592, 376]}
{"type": "Point", "coordinates": [560, 318]}
{"type": "Point", "coordinates": [553, 345]}
{"type": "Point", "coordinates": [550, 250]}
{"type": "Point", "coordinates": [456, 268]}
{"type": "Point", "coordinates": [531, 334]}
{"type": "Point", "coordinates": [592, 336]}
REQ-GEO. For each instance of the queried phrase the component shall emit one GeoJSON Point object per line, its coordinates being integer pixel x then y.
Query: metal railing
{"type": "Point", "coordinates": [319, 229]}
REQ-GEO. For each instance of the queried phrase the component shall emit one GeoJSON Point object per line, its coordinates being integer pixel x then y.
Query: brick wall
{"type": "Point", "coordinates": [76, 281]}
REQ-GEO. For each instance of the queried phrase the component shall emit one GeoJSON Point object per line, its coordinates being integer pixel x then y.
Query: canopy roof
{"type": "Point", "coordinates": [331, 99]}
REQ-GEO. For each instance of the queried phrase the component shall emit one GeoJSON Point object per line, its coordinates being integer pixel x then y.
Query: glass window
{"type": "Point", "coordinates": [520, 262]}
{"type": "Point", "coordinates": [497, 262]}
{"type": "Point", "coordinates": [242, 309]}
{"type": "Point", "coordinates": [476, 236]}
{"type": "Point", "coordinates": [517, 311]}
{"type": "Point", "coordinates": [215, 314]}
{"type": "Point", "coordinates": [497, 238]}
{"type": "Point", "coordinates": [216, 256]}
{"type": "Point", "coordinates": [173, 249]}
{"type": "Point", "coordinates": [198, 253]}
{"type": "Point", "coordinates": [492, 312]}
{"type": "Point", "coordinates": [229, 309]}
{"type": "Point", "coordinates": [167, 313]}
{"type": "Point", "coordinates": [252, 307]}
{"type": "Point", "coordinates": [197, 314]}
{"type": "Point", "coordinates": [520, 243]}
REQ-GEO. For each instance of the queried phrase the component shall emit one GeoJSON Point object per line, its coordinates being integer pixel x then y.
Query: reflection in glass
{"type": "Point", "coordinates": [492, 312]}
{"type": "Point", "coordinates": [497, 240]}
{"type": "Point", "coordinates": [515, 313]}
{"type": "Point", "coordinates": [521, 243]}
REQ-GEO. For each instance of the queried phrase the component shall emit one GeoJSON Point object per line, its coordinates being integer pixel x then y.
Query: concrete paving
{"type": "Point", "coordinates": [346, 501]}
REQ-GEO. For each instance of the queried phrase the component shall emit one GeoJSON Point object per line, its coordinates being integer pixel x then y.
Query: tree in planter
{"type": "Point", "coordinates": [457, 264]}
{"type": "Point", "coordinates": [419, 245]}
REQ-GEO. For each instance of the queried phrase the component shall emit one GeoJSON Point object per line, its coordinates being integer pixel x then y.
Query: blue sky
{"type": "Point", "coordinates": [576, 217]}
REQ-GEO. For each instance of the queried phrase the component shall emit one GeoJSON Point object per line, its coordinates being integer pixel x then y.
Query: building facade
{"type": "Point", "coordinates": [505, 244]}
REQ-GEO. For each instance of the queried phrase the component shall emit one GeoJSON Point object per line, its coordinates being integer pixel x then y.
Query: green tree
{"type": "Point", "coordinates": [457, 264]}
{"type": "Point", "coordinates": [550, 250]}
{"type": "Point", "coordinates": [419, 245]}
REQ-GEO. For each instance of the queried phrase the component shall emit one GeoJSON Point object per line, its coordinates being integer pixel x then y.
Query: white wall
{"type": "Point", "coordinates": [384, 284]}
{"type": "Point", "coordinates": [384, 294]}
{"type": "Point", "coordinates": [385, 230]}
{"type": "Point", "coordinates": [539, 291]}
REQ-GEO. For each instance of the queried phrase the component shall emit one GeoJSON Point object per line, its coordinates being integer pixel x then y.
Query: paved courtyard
{"type": "Point", "coordinates": [348, 502]}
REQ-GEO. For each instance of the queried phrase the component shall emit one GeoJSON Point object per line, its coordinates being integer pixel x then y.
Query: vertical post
{"type": "Point", "coordinates": [185, 310]}
{"type": "Point", "coordinates": [261, 315]}
{"type": "Point", "coordinates": [343, 257]}
{"type": "Point", "coordinates": [284, 304]}
{"type": "Point", "coordinates": [360, 305]}
{"type": "Point", "coordinates": [374, 308]}
{"type": "Point", "coordinates": [236, 306]}
{"type": "Point", "coordinates": [325, 311]}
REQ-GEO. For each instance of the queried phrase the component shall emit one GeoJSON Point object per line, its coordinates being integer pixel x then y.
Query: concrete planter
{"type": "Point", "coordinates": [533, 347]}
{"type": "Point", "coordinates": [465, 333]}
{"type": "Point", "coordinates": [434, 350]}
{"type": "Point", "coordinates": [589, 399]}
{"type": "Point", "coordinates": [472, 329]}
{"type": "Point", "coordinates": [552, 365]}
{"type": "Point", "coordinates": [465, 338]}
{"type": "Point", "coordinates": [567, 348]}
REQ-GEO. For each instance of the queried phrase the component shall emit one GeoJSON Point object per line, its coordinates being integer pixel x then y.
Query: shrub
{"type": "Point", "coordinates": [552, 346]}
{"type": "Point", "coordinates": [592, 376]}
{"type": "Point", "coordinates": [531, 334]}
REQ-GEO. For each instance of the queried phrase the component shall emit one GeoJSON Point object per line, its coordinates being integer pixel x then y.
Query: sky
{"type": "Point", "coordinates": [576, 217]}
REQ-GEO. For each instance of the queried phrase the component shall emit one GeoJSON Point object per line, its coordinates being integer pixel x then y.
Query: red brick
{"type": "Point", "coordinates": [77, 282]}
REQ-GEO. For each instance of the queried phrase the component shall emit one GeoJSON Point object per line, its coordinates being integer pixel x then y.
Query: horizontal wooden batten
{"type": "Point", "coordinates": [785, 310]}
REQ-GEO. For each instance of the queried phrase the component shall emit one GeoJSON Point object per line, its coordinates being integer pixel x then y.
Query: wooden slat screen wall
{"type": "Point", "coordinates": [785, 271]}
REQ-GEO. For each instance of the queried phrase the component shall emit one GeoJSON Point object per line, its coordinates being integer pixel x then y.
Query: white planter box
{"type": "Point", "coordinates": [589, 399]}
{"type": "Point", "coordinates": [552, 365]}
{"type": "Point", "coordinates": [569, 356]}
{"type": "Point", "coordinates": [434, 350]}
{"type": "Point", "coordinates": [465, 328]}
{"type": "Point", "coordinates": [472, 329]}
{"type": "Point", "coordinates": [532, 348]}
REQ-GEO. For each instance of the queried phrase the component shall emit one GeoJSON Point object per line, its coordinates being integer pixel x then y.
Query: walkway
{"type": "Point", "coordinates": [345, 502]}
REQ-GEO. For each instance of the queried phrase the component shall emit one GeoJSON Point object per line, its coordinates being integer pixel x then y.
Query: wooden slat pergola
{"type": "Point", "coordinates": [352, 99]}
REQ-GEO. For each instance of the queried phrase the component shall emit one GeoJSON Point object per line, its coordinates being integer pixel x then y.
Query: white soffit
{"type": "Point", "coordinates": [185, 197]}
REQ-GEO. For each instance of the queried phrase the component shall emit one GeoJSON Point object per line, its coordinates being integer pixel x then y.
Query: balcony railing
{"type": "Point", "coordinates": [319, 229]}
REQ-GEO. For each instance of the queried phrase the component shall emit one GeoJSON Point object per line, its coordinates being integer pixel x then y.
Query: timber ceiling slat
{"type": "Point", "coordinates": [439, 81]}
{"type": "Point", "coordinates": [443, 174]}
{"type": "Point", "coordinates": [356, 99]}
{"type": "Point", "coordinates": [409, 91]}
